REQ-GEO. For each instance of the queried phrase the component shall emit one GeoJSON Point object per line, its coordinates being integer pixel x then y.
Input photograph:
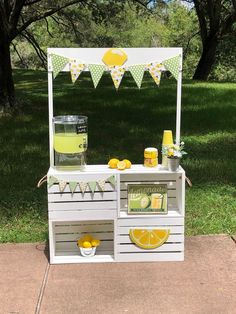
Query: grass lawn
{"type": "Point", "coordinates": [121, 124]}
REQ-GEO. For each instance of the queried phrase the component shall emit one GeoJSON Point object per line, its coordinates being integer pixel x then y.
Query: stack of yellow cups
{"type": "Point", "coordinates": [167, 141]}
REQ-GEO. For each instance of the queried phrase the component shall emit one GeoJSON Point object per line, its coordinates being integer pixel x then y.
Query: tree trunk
{"type": "Point", "coordinates": [207, 59]}
{"type": "Point", "coordinates": [7, 90]}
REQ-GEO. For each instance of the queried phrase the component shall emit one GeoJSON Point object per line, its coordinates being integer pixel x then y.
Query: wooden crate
{"type": "Point", "coordinates": [104, 215]}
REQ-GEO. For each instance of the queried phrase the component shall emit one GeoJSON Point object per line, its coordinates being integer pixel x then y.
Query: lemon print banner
{"type": "Point", "coordinates": [58, 64]}
{"type": "Point", "coordinates": [96, 71]}
{"type": "Point", "coordinates": [117, 73]}
{"type": "Point", "coordinates": [76, 67]}
{"type": "Point", "coordinates": [173, 65]}
{"type": "Point", "coordinates": [137, 72]}
{"type": "Point", "coordinates": [154, 69]}
{"type": "Point", "coordinates": [82, 184]}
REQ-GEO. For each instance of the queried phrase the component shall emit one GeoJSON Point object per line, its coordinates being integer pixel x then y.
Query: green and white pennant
{"type": "Point", "coordinates": [58, 63]}
{"type": "Point", "coordinates": [173, 65]}
{"type": "Point", "coordinates": [52, 180]}
{"type": "Point", "coordinates": [112, 180]}
{"type": "Point", "coordinates": [137, 72]}
{"type": "Point", "coordinates": [96, 71]}
{"type": "Point", "coordinates": [92, 186]}
{"type": "Point", "coordinates": [72, 186]}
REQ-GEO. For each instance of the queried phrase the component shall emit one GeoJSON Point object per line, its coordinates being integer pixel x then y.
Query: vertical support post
{"type": "Point", "coordinates": [178, 105]}
{"type": "Point", "coordinates": [50, 111]}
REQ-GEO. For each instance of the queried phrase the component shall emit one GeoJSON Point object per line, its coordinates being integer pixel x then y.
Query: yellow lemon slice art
{"type": "Point", "coordinates": [114, 56]}
{"type": "Point", "coordinates": [149, 239]}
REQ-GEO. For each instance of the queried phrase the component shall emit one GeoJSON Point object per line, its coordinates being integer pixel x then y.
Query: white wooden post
{"type": "Point", "coordinates": [50, 111]}
{"type": "Point", "coordinates": [178, 103]}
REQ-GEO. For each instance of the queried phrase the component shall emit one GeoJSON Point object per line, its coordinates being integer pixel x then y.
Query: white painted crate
{"type": "Point", "coordinates": [104, 215]}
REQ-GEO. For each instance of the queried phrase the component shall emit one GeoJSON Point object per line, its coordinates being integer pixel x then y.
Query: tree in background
{"type": "Point", "coordinates": [15, 17]}
{"type": "Point", "coordinates": [216, 19]}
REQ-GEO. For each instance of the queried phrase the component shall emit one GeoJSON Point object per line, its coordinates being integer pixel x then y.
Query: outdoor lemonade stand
{"type": "Point", "coordinates": [94, 199]}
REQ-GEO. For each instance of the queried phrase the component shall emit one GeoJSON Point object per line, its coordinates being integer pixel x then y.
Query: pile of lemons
{"type": "Point", "coordinates": [87, 242]}
{"type": "Point", "coordinates": [115, 163]}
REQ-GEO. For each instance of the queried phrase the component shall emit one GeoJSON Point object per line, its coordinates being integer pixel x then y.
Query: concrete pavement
{"type": "Point", "coordinates": [204, 283]}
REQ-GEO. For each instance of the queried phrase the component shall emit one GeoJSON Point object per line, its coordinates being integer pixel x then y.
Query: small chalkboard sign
{"type": "Point", "coordinates": [147, 199]}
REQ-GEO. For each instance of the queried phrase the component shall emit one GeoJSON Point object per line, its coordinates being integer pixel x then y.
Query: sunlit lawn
{"type": "Point", "coordinates": [121, 124]}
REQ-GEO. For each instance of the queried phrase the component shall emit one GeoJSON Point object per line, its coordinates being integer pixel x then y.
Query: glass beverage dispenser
{"type": "Point", "coordinates": [70, 141]}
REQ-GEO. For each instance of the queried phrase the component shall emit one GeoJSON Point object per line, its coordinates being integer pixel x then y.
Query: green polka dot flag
{"type": "Point", "coordinates": [96, 71]}
{"type": "Point", "coordinates": [58, 63]}
{"type": "Point", "coordinates": [172, 65]}
{"type": "Point", "coordinates": [137, 72]}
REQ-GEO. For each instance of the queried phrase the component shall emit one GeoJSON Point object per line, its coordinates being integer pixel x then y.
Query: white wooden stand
{"type": "Point", "coordinates": [104, 214]}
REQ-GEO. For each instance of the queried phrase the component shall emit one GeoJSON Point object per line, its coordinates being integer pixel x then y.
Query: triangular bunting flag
{"type": "Point", "coordinates": [52, 180]}
{"type": "Point", "coordinates": [137, 72]}
{"type": "Point", "coordinates": [96, 71]}
{"type": "Point", "coordinates": [154, 69]}
{"type": "Point", "coordinates": [112, 180]}
{"type": "Point", "coordinates": [58, 64]}
{"type": "Point", "coordinates": [101, 184]}
{"type": "Point", "coordinates": [83, 186]}
{"type": "Point", "coordinates": [92, 186]}
{"type": "Point", "coordinates": [62, 185]}
{"type": "Point", "coordinates": [172, 65]}
{"type": "Point", "coordinates": [76, 67]}
{"type": "Point", "coordinates": [72, 186]}
{"type": "Point", "coordinates": [117, 73]}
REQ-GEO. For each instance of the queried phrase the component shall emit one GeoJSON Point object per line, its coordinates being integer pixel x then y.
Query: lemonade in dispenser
{"type": "Point", "coordinates": [70, 141]}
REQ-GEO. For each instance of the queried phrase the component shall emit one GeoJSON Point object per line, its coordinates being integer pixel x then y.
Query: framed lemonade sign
{"type": "Point", "coordinates": [147, 199]}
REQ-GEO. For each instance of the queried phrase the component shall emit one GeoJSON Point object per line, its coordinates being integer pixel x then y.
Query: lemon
{"type": "Point", "coordinates": [87, 244]}
{"type": "Point", "coordinates": [115, 56]}
{"type": "Point", "coordinates": [87, 237]}
{"type": "Point", "coordinates": [80, 243]}
{"type": "Point", "coordinates": [128, 163]}
{"type": "Point", "coordinates": [113, 163]}
{"type": "Point", "coordinates": [149, 239]}
{"type": "Point", "coordinates": [95, 242]}
{"type": "Point", "coordinates": [121, 165]}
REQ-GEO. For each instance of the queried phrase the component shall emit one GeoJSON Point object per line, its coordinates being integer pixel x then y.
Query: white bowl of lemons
{"type": "Point", "coordinates": [88, 245]}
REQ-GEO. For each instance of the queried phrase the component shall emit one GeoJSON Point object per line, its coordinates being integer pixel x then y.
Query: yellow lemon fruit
{"type": "Point", "coordinates": [87, 237]}
{"type": "Point", "coordinates": [80, 243]}
{"type": "Point", "coordinates": [149, 239]}
{"type": "Point", "coordinates": [121, 165]}
{"type": "Point", "coordinates": [113, 163]}
{"type": "Point", "coordinates": [95, 242]}
{"type": "Point", "coordinates": [87, 244]}
{"type": "Point", "coordinates": [128, 163]}
{"type": "Point", "coordinates": [115, 56]}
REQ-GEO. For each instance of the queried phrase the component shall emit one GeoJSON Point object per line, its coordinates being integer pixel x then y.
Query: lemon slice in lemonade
{"type": "Point", "coordinates": [149, 239]}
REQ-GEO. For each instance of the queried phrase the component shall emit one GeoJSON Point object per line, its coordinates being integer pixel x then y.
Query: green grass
{"type": "Point", "coordinates": [121, 124]}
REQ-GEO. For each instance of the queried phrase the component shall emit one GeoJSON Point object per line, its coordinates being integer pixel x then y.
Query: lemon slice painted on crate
{"type": "Point", "coordinates": [149, 239]}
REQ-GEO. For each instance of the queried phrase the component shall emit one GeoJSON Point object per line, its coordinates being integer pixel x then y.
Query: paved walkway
{"type": "Point", "coordinates": [205, 283]}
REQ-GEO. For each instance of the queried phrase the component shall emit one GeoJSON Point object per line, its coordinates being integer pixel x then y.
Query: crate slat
{"type": "Point", "coordinates": [79, 197]}
{"type": "Point", "coordinates": [159, 221]}
{"type": "Point", "coordinates": [132, 248]}
{"type": "Point", "coordinates": [153, 257]}
{"type": "Point", "coordinates": [64, 206]}
{"type": "Point", "coordinates": [79, 215]}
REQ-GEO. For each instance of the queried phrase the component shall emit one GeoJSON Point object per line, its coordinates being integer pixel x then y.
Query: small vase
{"type": "Point", "coordinates": [173, 164]}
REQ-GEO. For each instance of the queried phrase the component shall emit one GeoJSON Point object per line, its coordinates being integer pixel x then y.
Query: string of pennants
{"type": "Point", "coordinates": [90, 185]}
{"type": "Point", "coordinates": [77, 66]}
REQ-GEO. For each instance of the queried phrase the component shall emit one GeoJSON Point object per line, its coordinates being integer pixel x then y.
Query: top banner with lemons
{"type": "Point", "coordinates": [114, 61]}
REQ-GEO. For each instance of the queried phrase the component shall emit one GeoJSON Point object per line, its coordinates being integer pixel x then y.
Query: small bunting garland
{"type": "Point", "coordinates": [117, 73]}
{"type": "Point", "coordinates": [92, 186]}
{"type": "Point", "coordinates": [137, 72]}
{"type": "Point", "coordinates": [76, 67]}
{"type": "Point", "coordinates": [172, 65]}
{"type": "Point", "coordinates": [101, 184]}
{"type": "Point", "coordinates": [96, 71]}
{"type": "Point", "coordinates": [154, 69]}
{"type": "Point", "coordinates": [72, 186]}
{"type": "Point", "coordinates": [62, 185]}
{"type": "Point", "coordinates": [58, 64]}
{"type": "Point", "coordinates": [82, 185]}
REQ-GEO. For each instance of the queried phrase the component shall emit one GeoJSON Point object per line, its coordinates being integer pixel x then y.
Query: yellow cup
{"type": "Point", "coordinates": [167, 137]}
